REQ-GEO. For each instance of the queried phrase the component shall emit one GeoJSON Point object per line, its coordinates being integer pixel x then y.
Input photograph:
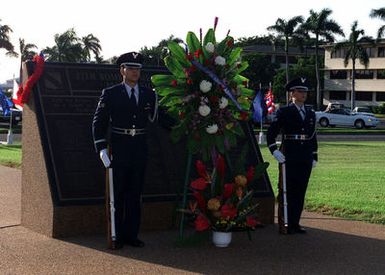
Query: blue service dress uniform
{"type": "Point", "coordinates": [127, 119]}
{"type": "Point", "coordinates": [299, 145]}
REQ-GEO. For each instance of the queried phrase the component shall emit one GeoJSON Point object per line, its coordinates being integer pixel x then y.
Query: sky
{"type": "Point", "coordinates": [128, 25]}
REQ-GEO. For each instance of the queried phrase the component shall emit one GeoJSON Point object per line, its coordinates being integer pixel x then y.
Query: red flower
{"type": "Point", "coordinates": [201, 223]}
{"type": "Point", "coordinates": [200, 200]}
{"type": "Point", "coordinates": [181, 115]}
{"type": "Point", "coordinates": [190, 57]}
{"type": "Point", "coordinates": [201, 170]}
{"type": "Point", "coordinates": [198, 52]}
{"type": "Point", "coordinates": [228, 211]}
{"type": "Point", "coordinates": [174, 83]}
{"type": "Point", "coordinates": [244, 83]}
{"type": "Point", "coordinates": [221, 166]}
{"type": "Point", "coordinates": [251, 221]}
{"type": "Point", "coordinates": [244, 115]}
{"type": "Point", "coordinates": [250, 174]}
{"type": "Point", "coordinates": [214, 99]}
{"type": "Point", "coordinates": [215, 23]}
{"type": "Point", "coordinates": [228, 190]}
{"type": "Point", "coordinates": [230, 43]}
{"type": "Point", "coordinates": [189, 81]}
{"type": "Point", "coordinates": [199, 184]}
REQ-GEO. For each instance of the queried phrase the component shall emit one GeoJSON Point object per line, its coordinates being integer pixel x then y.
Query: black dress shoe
{"type": "Point", "coordinates": [135, 243]}
{"type": "Point", "coordinates": [300, 230]}
{"type": "Point", "coordinates": [116, 245]}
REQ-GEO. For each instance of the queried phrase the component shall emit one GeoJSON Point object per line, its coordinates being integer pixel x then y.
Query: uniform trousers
{"type": "Point", "coordinates": [128, 185]}
{"type": "Point", "coordinates": [297, 178]}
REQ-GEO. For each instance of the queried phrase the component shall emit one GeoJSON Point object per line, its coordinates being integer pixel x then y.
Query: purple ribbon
{"type": "Point", "coordinates": [216, 79]}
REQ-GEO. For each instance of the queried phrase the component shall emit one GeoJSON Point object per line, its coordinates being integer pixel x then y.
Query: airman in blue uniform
{"type": "Point", "coordinates": [126, 108]}
{"type": "Point", "coordinates": [297, 125]}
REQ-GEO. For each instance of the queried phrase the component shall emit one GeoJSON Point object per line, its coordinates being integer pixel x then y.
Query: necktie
{"type": "Point", "coordinates": [302, 112]}
{"type": "Point", "coordinates": [132, 97]}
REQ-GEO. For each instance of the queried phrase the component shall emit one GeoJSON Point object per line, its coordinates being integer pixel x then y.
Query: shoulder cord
{"type": "Point", "coordinates": [155, 114]}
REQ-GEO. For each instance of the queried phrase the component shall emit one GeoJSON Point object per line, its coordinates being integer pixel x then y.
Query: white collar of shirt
{"type": "Point", "coordinates": [300, 108]}
{"type": "Point", "coordinates": [128, 89]}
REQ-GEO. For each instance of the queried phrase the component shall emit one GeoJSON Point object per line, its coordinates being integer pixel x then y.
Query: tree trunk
{"type": "Point", "coordinates": [287, 68]}
{"type": "Point", "coordinates": [353, 93]}
{"type": "Point", "coordinates": [318, 88]}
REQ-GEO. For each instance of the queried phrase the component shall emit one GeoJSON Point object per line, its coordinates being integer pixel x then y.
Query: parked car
{"type": "Point", "coordinates": [363, 110]}
{"type": "Point", "coordinates": [16, 116]}
{"type": "Point", "coordinates": [343, 117]}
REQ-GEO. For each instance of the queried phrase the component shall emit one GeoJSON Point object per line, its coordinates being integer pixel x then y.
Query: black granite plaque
{"type": "Point", "coordinates": [66, 97]}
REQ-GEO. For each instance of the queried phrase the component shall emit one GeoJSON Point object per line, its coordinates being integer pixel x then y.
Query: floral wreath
{"type": "Point", "coordinates": [205, 92]}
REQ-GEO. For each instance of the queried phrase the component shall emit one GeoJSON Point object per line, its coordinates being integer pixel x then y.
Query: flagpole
{"type": "Point", "coordinates": [261, 137]}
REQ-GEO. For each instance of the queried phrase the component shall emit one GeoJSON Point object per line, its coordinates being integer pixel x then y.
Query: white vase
{"type": "Point", "coordinates": [221, 239]}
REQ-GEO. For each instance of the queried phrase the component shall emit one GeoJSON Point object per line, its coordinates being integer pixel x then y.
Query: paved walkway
{"type": "Point", "coordinates": [332, 246]}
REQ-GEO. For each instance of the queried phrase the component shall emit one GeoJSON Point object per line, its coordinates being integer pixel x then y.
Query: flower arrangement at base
{"type": "Point", "coordinates": [205, 92]}
{"type": "Point", "coordinates": [222, 202]}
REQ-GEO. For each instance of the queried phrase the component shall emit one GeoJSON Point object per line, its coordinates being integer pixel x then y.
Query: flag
{"type": "Point", "coordinates": [15, 98]}
{"type": "Point", "coordinates": [258, 107]}
{"type": "Point", "coordinates": [269, 101]}
{"type": "Point", "coordinates": [5, 103]}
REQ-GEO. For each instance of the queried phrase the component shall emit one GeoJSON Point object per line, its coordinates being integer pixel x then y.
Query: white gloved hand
{"type": "Point", "coordinates": [314, 163]}
{"type": "Point", "coordinates": [104, 157]}
{"type": "Point", "coordinates": [279, 156]}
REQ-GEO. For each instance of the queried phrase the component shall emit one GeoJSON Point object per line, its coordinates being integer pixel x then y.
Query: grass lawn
{"type": "Point", "coordinates": [349, 180]}
{"type": "Point", "coordinates": [341, 130]}
{"type": "Point", "coordinates": [10, 155]}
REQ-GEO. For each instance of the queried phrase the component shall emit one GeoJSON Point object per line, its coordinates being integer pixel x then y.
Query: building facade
{"type": "Point", "coordinates": [369, 82]}
{"type": "Point", "coordinates": [277, 53]}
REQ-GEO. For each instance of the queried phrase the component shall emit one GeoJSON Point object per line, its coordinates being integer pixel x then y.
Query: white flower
{"type": "Point", "coordinates": [210, 47]}
{"type": "Point", "coordinates": [223, 102]}
{"type": "Point", "coordinates": [204, 110]}
{"type": "Point", "coordinates": [212, 129]}
{"type": "Point", "coordinates": [205, 86]}
{"type": "Point", "coordinates": [219, 60]}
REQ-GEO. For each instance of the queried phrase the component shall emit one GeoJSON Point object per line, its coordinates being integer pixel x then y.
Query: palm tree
{"type": "Point", "coordinates": [91, 44]}
{"type": "Point", "coordinates": [355, 50]}
{"type": "Point", "coordinates": [5, 42]}
{"type": "Point", "coordinates": [379, 13]}
{"type": "Point", "coordinates": [67, 48]}
{"type": "Point", "coordinates": [322, 27]}
{"type": "Point", "coordinates": [155, 55]}
{"type": "Point", "coordinates": [26, 51]}
{"type": "Point", "coordinates": [288, 30]}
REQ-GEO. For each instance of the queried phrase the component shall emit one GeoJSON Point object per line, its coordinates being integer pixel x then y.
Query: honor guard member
{"type": "Point", "coordinates": [296, 122]}
{"type": "Point", "coordinates": [126, 108]}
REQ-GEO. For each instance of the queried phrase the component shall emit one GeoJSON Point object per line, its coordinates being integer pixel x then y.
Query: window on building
{"type": "Point", "coordinates": [340, 53]}
{"type": "Point", "coordinates": [380, 96]}
{"type": "Point", "coordinates": [364, 96]}
{"type": "Point", "coordinates": [380, 74]}
{"type": "Point", "coordinates": [371, 52]}
{"type": "Point", "coordinates": [381, 52]}
{"type": "Point", "coordinates": [280, 59]}
{"type": "Point", "coordinates": [337, 95]}
{"type": "Point", "coordinates": [364, 74]}
{"type": "Point", "coordinates": [338, 74]}
{"type": "Point", "coordinates": [292, 59]}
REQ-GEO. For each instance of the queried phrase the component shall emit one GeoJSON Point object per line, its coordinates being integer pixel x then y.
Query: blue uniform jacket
{"type": "Point", "coordinates": [289, 122]}
{"type": "Point", "coordinates": [114, 109]}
